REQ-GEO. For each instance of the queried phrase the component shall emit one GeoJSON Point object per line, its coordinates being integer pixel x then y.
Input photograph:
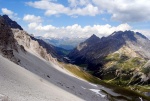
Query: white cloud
{"type": "Point", "coordinates": [126, 10]}
{"type": "Point", "coordinates": [76, 31]}
{"type": "Point", "coordinates": [10, 13]}
{"type": "Point", "coordinates": [32, 18]}
{"type": "Point", "coordinates": [52, 8]}
{"type": "Point", "coordinates": [120, 10]}
{"type": "Point", "coordinates": [7, 12]}
{"type": "Point", "coordinates": [32, 25]}
{"type": "Point", "coordinates": [75, 3]}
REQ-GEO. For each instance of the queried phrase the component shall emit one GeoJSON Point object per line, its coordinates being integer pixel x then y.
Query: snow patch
{"type": "Point", "coordinates": [83, 87]}
{"type": "Point", "coordinates": [140, 99]}
{"type": "Point", "coordinates": [97, 92]}
{"type": "Point", "coordinates": [93, 84]}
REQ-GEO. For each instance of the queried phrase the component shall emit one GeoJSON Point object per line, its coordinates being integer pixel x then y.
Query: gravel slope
{"type": "Point", "coordinates": [41, 80]}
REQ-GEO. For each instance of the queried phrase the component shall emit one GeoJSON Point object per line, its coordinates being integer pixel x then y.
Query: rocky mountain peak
{"type": "Point", "coordinates": [127, 35]}
{"type": "Point", "coordinates": [141, 35]}
{"type": "Point", "coordinates": [12, 23]}
{"type": "Point", "coordinates": [89, 42]}
{"type": "Point", "coordinates": [93, 36]}
{"type": "Point", "coordinates": [92, 39]}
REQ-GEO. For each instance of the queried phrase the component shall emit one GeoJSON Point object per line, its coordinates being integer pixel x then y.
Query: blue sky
{"type": "Point", "coordinates": [78, 18]}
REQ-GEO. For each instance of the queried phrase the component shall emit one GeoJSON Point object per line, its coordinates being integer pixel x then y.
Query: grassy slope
{"type": "Point", "coordinates": [125, 66]}
{"type": "Point", "coordinates": [126, 94]}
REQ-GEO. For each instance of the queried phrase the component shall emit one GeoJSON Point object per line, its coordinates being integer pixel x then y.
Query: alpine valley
{"type": "Point", "coordinates": [34, 70]}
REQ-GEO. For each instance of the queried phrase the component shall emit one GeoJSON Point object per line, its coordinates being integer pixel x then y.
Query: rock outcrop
{"type": "Point", "coordinates": [28, 42]}
{"type": "Point", "coordinates": [7, 42]}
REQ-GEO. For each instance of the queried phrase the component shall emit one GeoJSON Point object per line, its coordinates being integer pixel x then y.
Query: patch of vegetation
{"type": "Point", "coordinates": [123, 68]}
{"type": "Point", "coordinates": [142, 89]}
{"type": "Point", "coordinates": [123, 61]}
{"type": "Point", "coordinates": [80, 72]}
{"type": "Point", "coordinates": [108, 76]}
{"type": "Point", "coordinates": [146, 70]}
{"type": "Point", "coordinates": [125, 93]}
{"type": "Point", "coordinates": [62, 52]}
{"type": "Point", "coordinates": [115, 98]}
{"type": "Point", "coordinates": [83, 65]}
{"type": "Point", "coordinates": [118, 69]}
{"type": "Point", "coordinates": [114, 57]}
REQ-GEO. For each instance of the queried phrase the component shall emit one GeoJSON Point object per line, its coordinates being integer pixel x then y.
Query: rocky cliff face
{"type": "Point", "coordinates": [56, 52]}
{"type": "Point", "coordinates": [7, 42]}
{"type": "Point", "coordinates": [29, 43]}
{"type": "Point", "coordinates": [122, 54]}
{"type": "Point", "coordinates": [14, 39]}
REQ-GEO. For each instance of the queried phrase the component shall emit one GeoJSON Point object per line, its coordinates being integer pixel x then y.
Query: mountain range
{"type": "Point", "coordinates": [34, 70]}
{"type": "Point", "coordinates": [122, 57]}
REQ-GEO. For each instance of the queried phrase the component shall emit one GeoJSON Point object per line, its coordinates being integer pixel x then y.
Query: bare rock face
{"type": "Point", "coordinates": [6, 34]}
{"type": "Point", "coordinates": [7, 41]}
{"type": "Point", "coordinates": [28, 44]}
{"type": "Point", "coordinates": [13, 38]}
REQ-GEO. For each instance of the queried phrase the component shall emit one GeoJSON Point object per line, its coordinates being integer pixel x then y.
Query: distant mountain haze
{"type": "Point", "coordinates": [65, 43]}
